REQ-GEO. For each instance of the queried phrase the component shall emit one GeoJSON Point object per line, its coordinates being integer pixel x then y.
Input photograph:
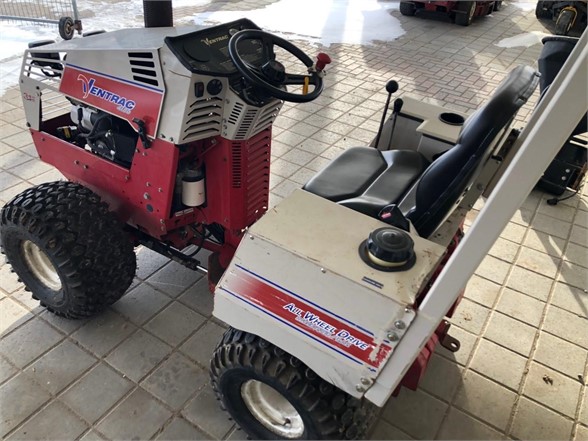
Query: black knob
{"type": "Point", "coordinates": [214, 87]}
{"type": "Point", "coordinates": [391, 86]}
{"type": "Point", "coordinates": [274, 71]}
{"type": "Point", "coordinates": [390, 247]}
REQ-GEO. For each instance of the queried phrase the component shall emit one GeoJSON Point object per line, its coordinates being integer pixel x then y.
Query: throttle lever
{"type": "Point", "coordinates": [322, 60]}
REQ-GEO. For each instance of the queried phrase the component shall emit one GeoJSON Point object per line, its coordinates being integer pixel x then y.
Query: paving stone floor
{"type": "Point", "coordinates": [139, 370]}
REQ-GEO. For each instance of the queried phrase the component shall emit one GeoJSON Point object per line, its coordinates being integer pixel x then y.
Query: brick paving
{"type": "Point", "coordinates": [139, 370]}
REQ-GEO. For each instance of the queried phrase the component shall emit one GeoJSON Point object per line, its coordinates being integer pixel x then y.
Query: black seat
{"type": "Point", "coordinates": [370, 186]}
{"type": "Point", "coordinates": [363, 171]}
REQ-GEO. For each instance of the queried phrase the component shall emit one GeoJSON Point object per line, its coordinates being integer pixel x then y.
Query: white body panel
{"type": "Point", "coordinates": [120, 56]}
{"type": "Point", "coordinates": [554, 118]}
{"type": "Point", "coordinates": [298, 261]}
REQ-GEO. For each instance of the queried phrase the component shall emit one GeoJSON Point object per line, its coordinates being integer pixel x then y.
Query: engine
{"type": "Point", "coordinates": [102, 133]}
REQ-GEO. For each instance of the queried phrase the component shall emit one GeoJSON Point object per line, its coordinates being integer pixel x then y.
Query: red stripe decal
{"type": "Point", "coordinates": [304, 316]}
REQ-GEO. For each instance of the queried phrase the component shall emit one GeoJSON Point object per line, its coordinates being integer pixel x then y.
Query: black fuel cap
{"type": "Point", "coordinates": [388, 249]}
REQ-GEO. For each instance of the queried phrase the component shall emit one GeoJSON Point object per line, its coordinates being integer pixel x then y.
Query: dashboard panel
{"type": "Point", "coordinates": [207, 51]}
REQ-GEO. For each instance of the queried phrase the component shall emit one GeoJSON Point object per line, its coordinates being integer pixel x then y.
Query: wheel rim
{"type": "Point", "coordinates": [40, 265]}
{"type": "Point", "coordinates": [272, 409]}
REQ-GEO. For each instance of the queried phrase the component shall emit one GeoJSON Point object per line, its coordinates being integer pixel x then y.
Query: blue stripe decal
{"type": "Point", "coordinates": [292, 326]}
{"type": "Point", "coordinates": [303, 299]}
{"type": "Point", "coordinates": [116, 78]}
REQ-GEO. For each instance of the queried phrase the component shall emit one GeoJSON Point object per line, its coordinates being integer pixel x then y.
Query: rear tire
{"type": "Point", "coordinates": [272, 395]}
{"type": "Point", "coordinates": [564, 22]}
{"type": "Point", "coordinates": [465, 14]}
{"type": "Point", "coordinates": [67, 248]}
{"type": "Point", "coordinates": [407, 8]}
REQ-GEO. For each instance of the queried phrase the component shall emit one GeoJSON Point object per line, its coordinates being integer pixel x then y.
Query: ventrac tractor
{"type": "Point", "coordinates": [337, 295]}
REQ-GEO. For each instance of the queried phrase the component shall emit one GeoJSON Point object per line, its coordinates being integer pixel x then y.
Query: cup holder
{"type": "Point", "coordinates": [452, 118]}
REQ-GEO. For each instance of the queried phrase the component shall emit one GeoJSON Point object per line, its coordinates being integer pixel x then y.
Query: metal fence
{"type": "Point", "coordinates": [61, 12]}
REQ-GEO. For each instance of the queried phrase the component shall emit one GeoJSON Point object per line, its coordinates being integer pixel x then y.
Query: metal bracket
{"type": "Point", "coordinates": [450, 343]}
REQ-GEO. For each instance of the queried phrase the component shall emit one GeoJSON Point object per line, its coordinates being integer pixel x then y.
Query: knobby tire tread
{"type": "Point", "coordinates": [85, 241]}
{"type": "Point", "coordinates": [336, 414]}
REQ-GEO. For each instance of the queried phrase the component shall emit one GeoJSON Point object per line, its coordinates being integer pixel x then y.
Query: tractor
{"type": "Point", "coordinates": [335, 297]}
{"type": "Point", "coordinates": [461, 12]}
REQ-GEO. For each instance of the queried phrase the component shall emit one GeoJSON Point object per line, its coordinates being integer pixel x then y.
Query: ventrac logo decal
{"type": "Point", "coordinates": [211, 41]}
{"type": "Point", "coordinates": [89, 87]}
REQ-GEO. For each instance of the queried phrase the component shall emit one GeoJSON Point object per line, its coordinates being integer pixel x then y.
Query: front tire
{"type": "Point", "coordinates": [272, 395]}
{"type": "Point", "coordinates": [66, 27]}
{"type": "Point", "coordinates": [465, 14]}
{"type": "Point", "coordinates": [67, 248]}
{"type": "Point", "coordinates": [407, 8]}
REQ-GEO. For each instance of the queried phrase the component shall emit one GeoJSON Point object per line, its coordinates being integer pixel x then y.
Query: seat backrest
{"type": "Point", "coordinates": [555, 52]}
{"type": "Point", "coordinates": [443, 183]}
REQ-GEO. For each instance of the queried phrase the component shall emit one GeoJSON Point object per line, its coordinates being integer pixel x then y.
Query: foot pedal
{"type": "Point", "coordinates": [450, 343]}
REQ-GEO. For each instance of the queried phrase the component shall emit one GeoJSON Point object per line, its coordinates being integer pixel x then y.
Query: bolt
{"type": "Point", "coordinates": [171, 139]}
{"type": "Point", "coordinates": [365, 381]}
{"type": "Point", "coordinates": [160, 190]}
{"type": "Point", "coordinates": [323, 270]}
{"type": "Point", "coordinates": [399, 324]}
{"type": "Point", "coordinates": [408, 309]}
{"type": "Point", "coordinates": [359, 388]}
{"type": "Point", "coordinates": [148, 184]}
{"type": "Point", "coordinates": [127, 177]}
{"type": "Point", "coordinates": [28, 124]}
{"type": "Point", "coordinates": [144, 153]}
{"type": "Point", "coordinates": [213, 142]}
{"type": "Point", "coordinates": [392, 336]}
{"type": "Point", "coordinates": [85, 167]}
{"type": "Point", "coordinates": [251, 236]}
{"type": "Point", "coordinates": [76, 162]}
{"type": "Point", "coordinates": [161, 221]}
{"type": "Point", "coordinates": [146, 196]}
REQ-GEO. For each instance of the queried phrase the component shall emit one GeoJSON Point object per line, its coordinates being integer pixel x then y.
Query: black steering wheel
{"type": "Point", "coordinates": [271, 76]}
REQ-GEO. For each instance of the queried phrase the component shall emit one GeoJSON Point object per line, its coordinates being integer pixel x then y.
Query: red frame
{"type": "Point", "coordinates": [237, 184]}
{"type": "Point", "coordinates": [418, 368]}
{"type": "Point", "coordinates": [237, 194]}
{"type": "Point", "coordinates": [482, 7]}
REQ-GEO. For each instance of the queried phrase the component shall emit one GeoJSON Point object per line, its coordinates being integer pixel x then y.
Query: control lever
{"type": "Point", "coordinates": [142, 133]}
{"type": "Point", "coordinates": [322, 60]}
{"type": "Point", "coordinates": [391, 87]}
{"type": "Point", "coordinates": [396, 108]}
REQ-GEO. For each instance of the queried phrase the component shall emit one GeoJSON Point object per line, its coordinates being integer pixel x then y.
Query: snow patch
{"type": "Point", "coordinates": [522, 40]}
{"type": "Point", "coordinates": [320, 21]}
{"type": "Point", "coordinates": [524, 6]}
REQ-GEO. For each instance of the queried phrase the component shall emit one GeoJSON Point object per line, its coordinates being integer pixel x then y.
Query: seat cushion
{"type": "Point", "coordinates": [349, 175]}
{"type": "Point", "coordinates": [404, 168]}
